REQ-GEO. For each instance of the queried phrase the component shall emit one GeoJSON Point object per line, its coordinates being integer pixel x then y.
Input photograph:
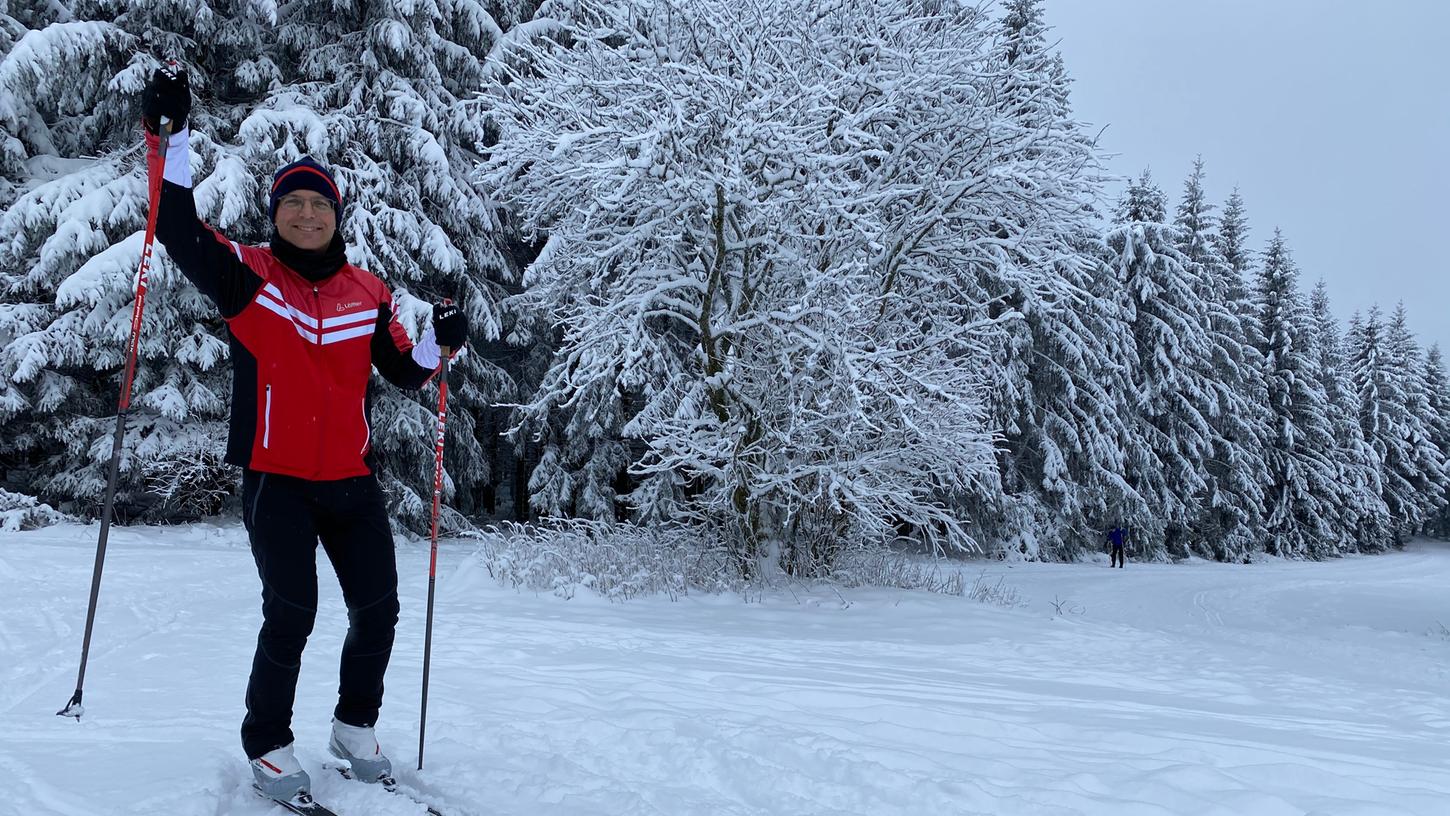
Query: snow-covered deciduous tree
{"type": "Point", "coordinates": [768, 229]}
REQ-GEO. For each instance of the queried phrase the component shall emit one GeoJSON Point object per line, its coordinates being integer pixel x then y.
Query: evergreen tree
{"type": "Point", "coordinates": [1383, 416]}
{"type": "Point", "coordinates": [1437, 397]}
{"type": "Point", "coordinates": [1173, 382]}
{"type": "Point", "coordinates": [1231, 525]}
{"type": "Point", "coordinates": [72, 248]}
{"type": "Point", "coordinates": [370, 89]}
{"type": "Point", "coordinates": [1395, 413]}
{"type": "Point", "coordinates": [1060, 379]}
{"type": "Point", "coordinates": [1425, 467]}
{"type": "Point", "coordinates": [1359, 512]}
{"type": "Point", "coordinates": [1232, 242]}
{"type": "Point", "coordinates": [1303, 489]}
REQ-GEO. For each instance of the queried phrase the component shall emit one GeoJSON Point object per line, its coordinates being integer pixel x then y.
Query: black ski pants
{"type": "Point", "coordinates": [286, 517]}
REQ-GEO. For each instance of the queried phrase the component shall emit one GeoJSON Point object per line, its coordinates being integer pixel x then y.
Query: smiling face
{"type": "Point", "coordinates": [306, 220]}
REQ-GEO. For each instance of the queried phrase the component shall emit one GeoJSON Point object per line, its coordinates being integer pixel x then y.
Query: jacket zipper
{"type": "Point", "coordinates": [267, 418]}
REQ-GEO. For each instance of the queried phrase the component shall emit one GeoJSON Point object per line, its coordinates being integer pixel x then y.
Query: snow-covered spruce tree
{"type": "Point", "coordinates": [767, 225]}
{"type": "Point", "coordinates": [1359, 512]}
{"type": "Point", "coordinates": [1231, 239]}
{"type": "Point", "coordinates": [1302, 492]}
{"type": "Point", "coordinates": [1427, 467]}
{"type": "Point", "coordinates": [17, 18]}
{"type": "Point", "coordinates": [1398, 438]}
{"type": "Point", "coordinates": [1174, 382]}
{"type": "Point", "coordinates": [1380, 401]}
{"type": "Point", "coordinates": [1138, 472]}
{"type": "Point", "coordinates": [1060, 368]}
{"type": "Point", "coordinates": [1437, 395]}
{"type": "Point", "coordinates": [72, 242]}
{"type": "Point", "coordinates": [1231, 524]}
{"type": "Point", "coordinates": [370, 89]}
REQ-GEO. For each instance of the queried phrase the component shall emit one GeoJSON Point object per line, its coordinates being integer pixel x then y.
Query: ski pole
{"type": "Point", "coordinates": [433, 548]}
{"type": "Point", "coordinates": [74, 707]}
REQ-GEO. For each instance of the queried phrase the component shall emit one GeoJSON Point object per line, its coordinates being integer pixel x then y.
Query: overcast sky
{"type": "Point", "coordinates": [1332, 118]}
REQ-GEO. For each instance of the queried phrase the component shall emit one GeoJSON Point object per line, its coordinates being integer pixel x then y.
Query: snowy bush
{"type": "Point", "coordinates": [997, 592]}
{"type": "Point", "coordinates": [622, 561]}
{"type": "Point", "coordinates": [190, 483]}
{"type": "Point", "coordinates": [881, 566]}
{"type": "Point", "coordinates": [616, 561]}
{"type": "Point", "coordinates": [21, 512]}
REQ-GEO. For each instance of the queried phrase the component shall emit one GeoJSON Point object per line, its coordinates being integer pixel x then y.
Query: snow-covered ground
{"type": "Point", "coordinates": [1277, 688]}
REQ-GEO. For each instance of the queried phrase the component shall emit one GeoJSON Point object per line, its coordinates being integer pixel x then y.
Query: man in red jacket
{"type": "Point", "coordinates": [306, 329]}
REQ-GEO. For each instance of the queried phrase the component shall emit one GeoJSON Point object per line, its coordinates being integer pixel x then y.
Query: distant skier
{"type": "Point", "coordinates": [306, 329]}
{"type": "Point", "coordinates": [1117, 539]}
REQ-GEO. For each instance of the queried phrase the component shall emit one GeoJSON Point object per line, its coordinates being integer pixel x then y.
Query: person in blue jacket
{"type": "Point", "coordinates": [1118, 538]}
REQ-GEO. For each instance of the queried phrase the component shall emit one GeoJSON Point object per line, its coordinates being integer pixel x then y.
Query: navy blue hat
{"type": "Point", "coordinates": [304, 174]}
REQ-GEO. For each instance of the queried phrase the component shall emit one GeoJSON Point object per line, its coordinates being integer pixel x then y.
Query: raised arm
{"type": "Point", "coordinates": [206, 257]}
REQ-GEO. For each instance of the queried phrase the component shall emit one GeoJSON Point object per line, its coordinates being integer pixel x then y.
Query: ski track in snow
{"type": "Point", "coordinates": [1274, 688]}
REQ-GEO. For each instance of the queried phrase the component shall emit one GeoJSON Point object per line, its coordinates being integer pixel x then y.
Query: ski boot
{"type": "Point", "coordinates": [358, 747]}
{"type": "Point", "coordinates": [278, 775]}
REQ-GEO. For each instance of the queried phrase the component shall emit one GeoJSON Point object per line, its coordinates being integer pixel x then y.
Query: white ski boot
{"type": "Point", "coordinates": [358, 747]}
{"type": "Point", "coordinates": [278, 775]}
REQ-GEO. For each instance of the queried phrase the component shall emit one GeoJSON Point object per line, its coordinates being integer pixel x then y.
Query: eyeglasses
{"type": "Point", "coordinates": [294, 203]}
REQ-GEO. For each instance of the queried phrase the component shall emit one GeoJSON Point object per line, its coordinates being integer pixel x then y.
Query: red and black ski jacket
{"type": "Point", "coordinates": [302, 351]}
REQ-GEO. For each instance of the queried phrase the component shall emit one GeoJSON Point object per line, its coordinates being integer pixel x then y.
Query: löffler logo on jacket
{"type": "Point", "coordinates": [342, 307]}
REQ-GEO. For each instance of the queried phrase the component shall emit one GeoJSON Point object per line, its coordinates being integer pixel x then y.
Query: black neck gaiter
{"type": "Point", "coordinates": [314, 265]}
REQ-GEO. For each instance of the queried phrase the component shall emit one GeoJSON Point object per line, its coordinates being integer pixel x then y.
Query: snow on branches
{"type": "Point", "coordinates": [769, 230]}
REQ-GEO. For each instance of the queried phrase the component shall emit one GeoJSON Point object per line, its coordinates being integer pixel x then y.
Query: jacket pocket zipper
{"type": "Point", "coordinates": [267, 418]}
{"type": "Point", "coordinates": [368, 437]}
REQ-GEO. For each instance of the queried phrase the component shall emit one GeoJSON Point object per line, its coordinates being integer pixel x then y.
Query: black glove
{"type": "Point", "coordinates": [450, 326]}
{"type": "Point", "coordinates": [167, 94]}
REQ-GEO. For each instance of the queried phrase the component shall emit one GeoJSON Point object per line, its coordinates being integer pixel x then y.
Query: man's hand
{"type": "Point", "coordinates": [168, 94]}
{"type": "Point", "coordinates": [450, 326]}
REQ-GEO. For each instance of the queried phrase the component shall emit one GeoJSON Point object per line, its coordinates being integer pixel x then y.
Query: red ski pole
{"type": "Point", "coordinates": [74, 707]}
{"type": "Point", "coordinates": [433, 548]}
